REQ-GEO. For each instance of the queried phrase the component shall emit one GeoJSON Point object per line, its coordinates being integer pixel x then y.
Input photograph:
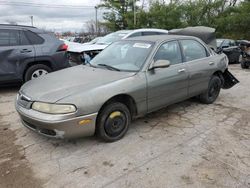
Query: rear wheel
{"type": "Point", "coordinates": [113, 122]}
{"type": "Point", "coordinates": [212, 92]}
{"type": "Point", "coordinates": [36, 71]}
{"type": "Point", "coordinates": [244, 65]}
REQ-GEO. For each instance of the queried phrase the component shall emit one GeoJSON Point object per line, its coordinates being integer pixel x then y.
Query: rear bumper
{"type": "Point", "coordinates": [57, 126]}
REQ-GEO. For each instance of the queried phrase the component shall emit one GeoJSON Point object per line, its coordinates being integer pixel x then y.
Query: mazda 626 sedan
{"type": "Point", "coordinates": [130, 78]}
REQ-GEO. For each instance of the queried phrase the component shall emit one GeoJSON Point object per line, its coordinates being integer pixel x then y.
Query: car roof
{"type": "Point", "coordinates": [24, 27]}
{"type": "Point", "coordinates": [160, 38]}
{"type": "Point", "coordinates": [151, 29]}
{"type": "Point", "coordinates": [224, 39]}
{"type": "Point", "coordinates": [124, 31]}
{"type": "Point", "coordinates": [144, 30]}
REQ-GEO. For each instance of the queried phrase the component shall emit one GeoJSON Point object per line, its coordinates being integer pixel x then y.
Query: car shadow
{"type": "Point", "coordinates": [9, 88]}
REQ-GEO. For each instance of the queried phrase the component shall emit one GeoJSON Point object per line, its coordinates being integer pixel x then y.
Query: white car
{"type": "Point", "coordinates": [83, 53]}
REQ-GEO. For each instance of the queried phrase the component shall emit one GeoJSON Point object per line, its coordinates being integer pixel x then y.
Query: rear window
{"type": "Point", "coordinates": [34, 38]}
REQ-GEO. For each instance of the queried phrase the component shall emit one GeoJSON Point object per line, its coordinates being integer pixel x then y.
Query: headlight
{"type": "Point", "coordinates": [53, 108]}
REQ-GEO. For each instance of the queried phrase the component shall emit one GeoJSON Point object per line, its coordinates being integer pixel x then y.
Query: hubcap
{"type": "Point", "coordinates": [38, 73]}
{"type": "Point", "coordinates": [115, 124]}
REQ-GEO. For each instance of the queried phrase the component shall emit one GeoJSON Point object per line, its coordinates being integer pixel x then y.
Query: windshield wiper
{"type": "Point", "coordinates": [89, 64]}
{"type": "Point", "coordinates": [109, 67]}
{"type": "Point", "coordinates": [101, 43]}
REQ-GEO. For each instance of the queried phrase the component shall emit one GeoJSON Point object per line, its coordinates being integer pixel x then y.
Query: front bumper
{"type": "Point", "coordinates": [57, 126]}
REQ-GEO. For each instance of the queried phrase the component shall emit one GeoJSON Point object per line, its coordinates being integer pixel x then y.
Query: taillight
{"type": "Point", "coordinates": [63, 47]}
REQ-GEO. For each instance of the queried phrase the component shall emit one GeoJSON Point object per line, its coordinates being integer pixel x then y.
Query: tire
{"type": "Point", "coordinates": [244, 65]}
{"type": "Point", "coordinates": [113, 122]}
{"type": "Point", "coordinates": [212, 92]}
{"type": "Point", "coordinates": [36, 71]}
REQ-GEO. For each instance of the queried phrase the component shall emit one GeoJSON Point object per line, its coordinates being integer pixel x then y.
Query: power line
{"type": "Point", "coordinates": [29, 4]}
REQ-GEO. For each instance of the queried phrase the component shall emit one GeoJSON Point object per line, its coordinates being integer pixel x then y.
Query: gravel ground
{"type": "Point", "coordinates": [184, 145]}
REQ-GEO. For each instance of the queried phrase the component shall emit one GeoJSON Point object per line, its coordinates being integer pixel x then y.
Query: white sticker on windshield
{"type": "Point", "coordinates": [141, 45]}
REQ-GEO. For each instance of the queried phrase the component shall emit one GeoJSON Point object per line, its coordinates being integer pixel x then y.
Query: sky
{"type": "Point", "coordinates": [70, 17]}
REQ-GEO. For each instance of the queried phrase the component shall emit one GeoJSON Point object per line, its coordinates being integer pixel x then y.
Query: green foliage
{"type": "Point", "coordinates": [235, 22]}
{"type": "Point", "coordinates": [231, 18]}
{"type": "Point", "coordinates": [120, 14]}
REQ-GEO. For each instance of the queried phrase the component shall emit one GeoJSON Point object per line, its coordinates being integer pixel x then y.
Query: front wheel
{"type": "Point", "coordinates": [212, 92]}
{"type": "Point", "coordinates": [113, 122]}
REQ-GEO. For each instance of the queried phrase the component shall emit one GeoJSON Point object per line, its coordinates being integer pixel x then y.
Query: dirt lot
{"type": "Point", "coordinates": [185, 145]}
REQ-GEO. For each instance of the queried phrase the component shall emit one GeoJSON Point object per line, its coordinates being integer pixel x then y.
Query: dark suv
{"type": "Point", "coordinates": [27, 53]}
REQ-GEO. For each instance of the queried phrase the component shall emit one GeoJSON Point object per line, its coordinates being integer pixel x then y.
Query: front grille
{"type": "Point", "coordinates": [44, 131]}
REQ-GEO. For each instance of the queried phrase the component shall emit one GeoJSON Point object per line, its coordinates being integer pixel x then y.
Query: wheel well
{"type": "Point", "coordinates": [47, 63]}
{"type": "Point", "coordinates": [220, 75]}
{"type": "Point", "coordinates": [125, 99]}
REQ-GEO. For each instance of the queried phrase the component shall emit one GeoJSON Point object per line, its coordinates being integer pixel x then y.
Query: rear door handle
{"type": "Point", "coordinates": [181, 70]}
{"type": "Point", "coordinates": [25, 51]}
{"type": "Point", "coordinates": [211, 63]}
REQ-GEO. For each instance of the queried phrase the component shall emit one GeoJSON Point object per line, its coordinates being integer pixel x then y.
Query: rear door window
{"type": "Point", "coordinates": [23, 39]}
{"type": "Point", "coordinates": [34, 38]}
{"type": "Point", "coordinates": [225, 44]}
{"type": "Point", "coordinates": [193, 50]}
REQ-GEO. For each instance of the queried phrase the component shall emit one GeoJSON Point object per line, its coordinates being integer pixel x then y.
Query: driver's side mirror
{"type": "Point", "coordinates": [219, 50]}
{"type": "Point", "coordinates": [159, 64]}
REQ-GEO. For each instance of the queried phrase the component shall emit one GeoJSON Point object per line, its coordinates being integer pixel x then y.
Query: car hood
{"type": "Point", "coordinates": [61, 84]}
{"type": "Point", "coordinates": [86, 47]}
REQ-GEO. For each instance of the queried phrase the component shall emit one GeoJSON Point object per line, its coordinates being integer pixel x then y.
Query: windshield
{"type": "Point", "coordinates": [218, 42]}
{"type": "Point", "coordinates": [124, 55]}
{"type": "Point", "coordinates": [112, 37]}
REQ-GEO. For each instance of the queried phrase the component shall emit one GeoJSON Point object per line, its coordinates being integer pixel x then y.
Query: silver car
{"type": "Point", "coordinates": [130, 78]}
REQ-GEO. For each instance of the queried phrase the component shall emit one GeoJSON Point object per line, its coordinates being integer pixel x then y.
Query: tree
{"type": "Point", "coordinates": [234, 22]}
{"type": "Point", "coordinates": [119, 13]}
{"type": "Point", "coordinates": [227, 16]}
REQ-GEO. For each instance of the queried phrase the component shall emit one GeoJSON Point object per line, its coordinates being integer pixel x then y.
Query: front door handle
{"type": "Point", "coordinates": [25, 51]}
{"type": "Point", "coordinates": [211, 63]}
{"type": "Point", "coordinates": [181, 70]}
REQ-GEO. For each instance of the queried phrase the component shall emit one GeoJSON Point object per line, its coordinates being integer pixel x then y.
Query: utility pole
{"type": "Point", "coordinates": [31, 19]}
{"type": "Point", "coordinates": [96, 20]}
{"type": "Point", "coordinates": [134, 2]}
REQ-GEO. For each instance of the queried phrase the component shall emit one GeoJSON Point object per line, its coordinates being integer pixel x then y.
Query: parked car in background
{"type": "Point", "coordinates": [27, 53]}
{"type": "Point", "coordinates": [83, 53]}
{"type": "Point", "coordinates": [128, 79]}
{"type": "Point", "coordinates": [230, 48]}
{"type": "Point", "coordinates": [245, 54]}
{"type": "Point", "coordinates": [95, 40]}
